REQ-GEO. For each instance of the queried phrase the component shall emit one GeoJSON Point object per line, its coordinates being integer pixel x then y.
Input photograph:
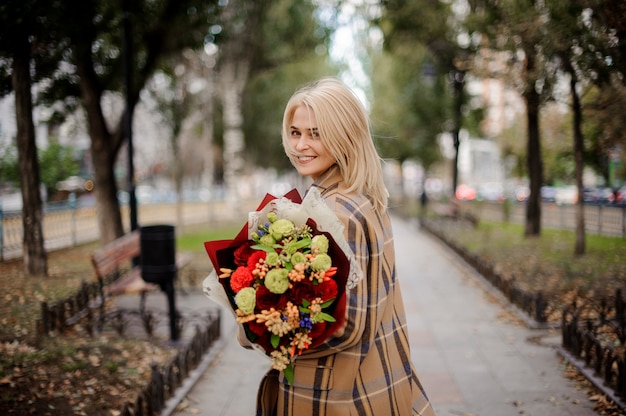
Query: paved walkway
{"type": "Point", "coordinates": [472, 354]}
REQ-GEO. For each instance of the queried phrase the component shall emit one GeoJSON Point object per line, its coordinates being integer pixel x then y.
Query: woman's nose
{"type": "Point", "coordinates": [302, 143]}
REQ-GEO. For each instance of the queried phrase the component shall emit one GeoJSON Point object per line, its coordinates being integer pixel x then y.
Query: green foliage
{"type": "Point", "coordinates": [289, 45]}
{"type": "Point", "coordinates": [409, 111]}
{"type": "Point", "coordinates": [264, 102]}
{"type": "Point", "coordinates": [9, 169]}
{"type": "Point", "coordinates": [56, 163]}
{"type": "Point", "coordinates": [412, 97]}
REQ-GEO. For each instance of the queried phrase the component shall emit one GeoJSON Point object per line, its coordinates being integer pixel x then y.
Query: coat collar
{"type": "Point", "coordinates": [329, 179]}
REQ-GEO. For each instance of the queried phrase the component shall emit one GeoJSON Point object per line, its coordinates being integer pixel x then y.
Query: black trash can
{"type": "Point", "coordinates": [158, 254]}
{"type": "Point", "coordinates": [158, 264]}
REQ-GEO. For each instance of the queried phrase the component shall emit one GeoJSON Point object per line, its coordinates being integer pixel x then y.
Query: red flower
{"type": "Point", "coordinates": [243, 253]}
{"type": "Point", "coordinates": [242, 277]}
{"type": "Point", "coordinates": [302, 290]}
{"type": "Point", "coordinates": [255, 257]}
{"type": "Point", "coordinates": [258, 328]}
{"type": "Point", "coordinates": [327, 290]}
{"type": "Point", "coordinates": [317, 330]}
{"type": "Point", "coordinates": [265, 300]}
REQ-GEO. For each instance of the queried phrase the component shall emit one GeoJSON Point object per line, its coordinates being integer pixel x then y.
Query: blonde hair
{"type": "Point", "coordinates": [344, 129]}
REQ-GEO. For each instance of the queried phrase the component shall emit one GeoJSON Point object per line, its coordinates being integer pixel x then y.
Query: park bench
{"type": "Point", "coordinates": [117, 256]}
{"type": "Point", "coordinates": [117, 273]}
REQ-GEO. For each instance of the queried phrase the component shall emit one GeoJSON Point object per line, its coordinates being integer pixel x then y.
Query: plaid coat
{"type": "Point", "coordinates": [364, 369]}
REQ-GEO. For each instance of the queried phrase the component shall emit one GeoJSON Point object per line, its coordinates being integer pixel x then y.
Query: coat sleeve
{"type": "Point", "coordinates": [365, 303]}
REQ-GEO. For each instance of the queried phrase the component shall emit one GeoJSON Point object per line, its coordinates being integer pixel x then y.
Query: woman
{"type": "Point", "coordinates": [365, 368]}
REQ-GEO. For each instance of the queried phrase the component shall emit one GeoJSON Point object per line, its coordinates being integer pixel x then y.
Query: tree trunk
{"type": "Point", "coordinates": [233, 77]}
{"type": "Point", "coordinates": [579, 248]}
{"type": "Point", "coordinates": [535, 168]}
{"type": "Point", "coordinates": [34, 254]}
{"type": "Point", "coordinates": [104, 149]}
{"type": "Point", "coordinates": [109, 216]}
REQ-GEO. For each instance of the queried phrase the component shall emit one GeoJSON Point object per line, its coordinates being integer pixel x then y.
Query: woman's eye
{"type": "Point", "coordinates": [295, 133]}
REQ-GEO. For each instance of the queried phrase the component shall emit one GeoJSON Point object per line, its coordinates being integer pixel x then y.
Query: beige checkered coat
{"type": "Point", "coordinates": [367, 369]}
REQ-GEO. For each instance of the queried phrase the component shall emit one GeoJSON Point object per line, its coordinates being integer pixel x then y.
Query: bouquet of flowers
{"type": "Point", "coordinates": [284, 278]}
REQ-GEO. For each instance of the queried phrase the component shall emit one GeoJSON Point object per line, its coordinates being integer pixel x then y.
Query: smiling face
{"type": "Point", "coordinates": [311, 156]}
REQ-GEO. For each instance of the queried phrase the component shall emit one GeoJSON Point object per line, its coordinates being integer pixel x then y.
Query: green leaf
{"type": "Point", "coordinates": [326, 317]}
{"type": "Point", "coordinates": [305, 242]}
{"type": "Point", "coordinates": [275, 340]}
{"type": "Point", "coordinates": [265, 248]}
{"type": "Point", "coordinates": [327, 303]}
{"type": "Point", "coordinates": [288, 373]}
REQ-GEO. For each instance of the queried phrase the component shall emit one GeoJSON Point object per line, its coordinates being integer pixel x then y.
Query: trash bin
{"type": "Point", "coordinates": [158, 254]}
{"type": "Point", "coordinates": [158, 264]}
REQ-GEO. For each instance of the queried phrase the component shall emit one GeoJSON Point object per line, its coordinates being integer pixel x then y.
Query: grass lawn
{"type": "Point", "coordinates": [546, 262]}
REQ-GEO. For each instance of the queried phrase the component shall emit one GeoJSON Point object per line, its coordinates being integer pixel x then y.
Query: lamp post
{"type": "Point", "coordinates": [128, 83]}
{"type": "Point", "coordinates": [458, 83]}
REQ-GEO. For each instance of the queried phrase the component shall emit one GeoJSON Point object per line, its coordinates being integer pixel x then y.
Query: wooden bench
{"type": "Point", "coordinates": [116, 258]}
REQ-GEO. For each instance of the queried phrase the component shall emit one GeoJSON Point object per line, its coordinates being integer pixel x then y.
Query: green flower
{"type": "Point", "coordinates": [246, 300]}
{"type": "Point", "coordinates": [281, 228]}
{"type": "Point", "coordinates": [267, 240]}
{"type": "Point", "coordinates": [277, 281]}
{"type": "Point", "coordinates": [298, 257]}
{"type": "Point", "coordinates": [321, 243]}
{"type": "Point", "coordinates": [272, 259]}
{"type": "Point", "coordinates": [290, 248]}
{"type": "Point", "coordinates": [271, 216]}
{"type": "Point", "coordinates": [322, 262]}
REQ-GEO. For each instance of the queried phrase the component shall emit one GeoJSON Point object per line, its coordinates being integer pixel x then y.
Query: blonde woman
{"type": "Point", "coordinates": [365, 368]}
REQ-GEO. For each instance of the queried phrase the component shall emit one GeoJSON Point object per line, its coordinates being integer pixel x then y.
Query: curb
{"type": "Point", "coordinates": [195, 374]}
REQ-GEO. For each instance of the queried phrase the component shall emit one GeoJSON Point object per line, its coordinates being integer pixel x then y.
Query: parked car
{"type": "Point", "coordinates": [600, 195]}
{"type": "Point", "coordinates": [566, 195]}
{"type": "Point", "coordinates": [548, 193]}
{"type": "Point", "coordinates": [619, 196]}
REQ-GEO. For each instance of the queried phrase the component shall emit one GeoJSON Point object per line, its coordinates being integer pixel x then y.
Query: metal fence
{"type": "Point", "coordinates": [166, 379]}
{"type": "Point", "coordinates": [594, 331]}
{"type": "Point", "coordinates": [67, 226]}
{"type": "Point", "coordinates": [609, 220]}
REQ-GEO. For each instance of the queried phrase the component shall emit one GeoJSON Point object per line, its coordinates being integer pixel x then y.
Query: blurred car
{"type": "Point", "coordinates": [591, 195]}
{"type": "Point", "coordinates": [548, 194]}
{"type": "Point", "coordinates": [566, 195]}
{"type": "Point", "coordinates": [601, 195]}
{"type": "Point", "coordinates": [522, 193]}
{"type": "Point", "coordinates": [490, 192]}
{"type": "Point", "coordinates": [619, 196]}
{"type": "Point", "coordinates": [465, 193]}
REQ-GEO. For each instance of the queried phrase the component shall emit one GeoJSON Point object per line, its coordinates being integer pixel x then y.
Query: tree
{"type": "Point", "coordinates": [565, 36]}
{"type": "Point", "coordinates": [291, 49]}
{"type": "Point", "coordinates": [90, 38]}
{"type": "Point", "coordinates": [182, 108]}
{"type": "Point", "coordinates": [21, 31]}
{"type": "Point", "coordinates": [241, 20]}
{"type": "Point", "coordinates": [515, 30]}
{"type": "Point", "coordinates": [423, 58]}
{"type": "Point", "coordinates": [605, 61]}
